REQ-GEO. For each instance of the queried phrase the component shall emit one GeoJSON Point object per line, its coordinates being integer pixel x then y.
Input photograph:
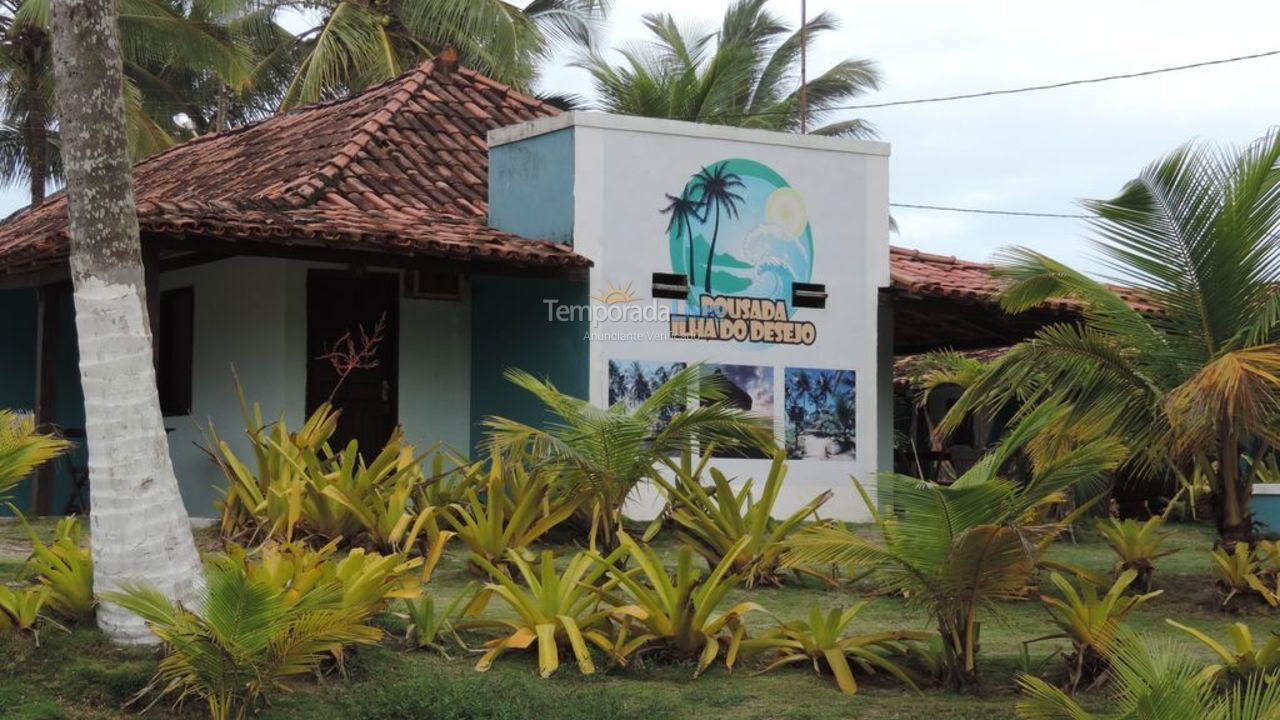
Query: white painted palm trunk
{"type": "Point", "coordinates": [140, 532]}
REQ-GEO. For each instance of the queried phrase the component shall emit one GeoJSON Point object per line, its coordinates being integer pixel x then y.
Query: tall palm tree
{"type": "Point", "coordinates": [743, 74]}
{"type": "Point", "coordinates": [161, 38]}
{"type": "Point", "coordinates": [1191, 380]}
{"type": "Point", "coordinates": [356, 44]}
{"type": "Point", "coordinates": [715, 187]}
{"type": "Point", "coordinates": [683, 211]}
{"type": "Point", "coordinates": [22, 449]}
{"type": "Point", "coordinates": [140, 527]}
{"type": "Point", "coordinates": [606, 453]}
{"type": "Point", "coordinates": [953, 551]}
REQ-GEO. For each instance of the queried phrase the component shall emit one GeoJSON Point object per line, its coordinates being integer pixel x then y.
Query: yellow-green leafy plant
{"type": "Point", "coordinates": [1245, 658]}
{"type": "Point", "coordinates": [1241, 573]}
{"type": "Point", "coordinates": [713, 520]}
{"type": "Point", "coordinates": [1136, 545]}
{"type": "Point", "coordinates": [678, 613]}
{"type": "Point", "coordinates": [508, 511]}
{"type": "Point", "coordinates": [429, 625]}
{"type": "Point", "coordinates": [21, 609]}
{"type": "Point", "coordinates": [245, 639]}
{"type": "Point", "coordinates": [1090, 621]}
{"type": "Point", "coordinates": [552, 609]}
{"type": "Point", "coordinates": [1154, 681]}
{"type": "Point", "coordinates": [64, 567]}
{"type": "Point", "coordinates": [22, 449]}
{"type": "Point", "coordinates": [823, 643]}
{"type": "Point", "coordinates": [955, 551]}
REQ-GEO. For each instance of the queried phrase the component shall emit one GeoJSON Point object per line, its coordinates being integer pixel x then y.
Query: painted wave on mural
{"type": "Point", "coordinates": [738, 228]}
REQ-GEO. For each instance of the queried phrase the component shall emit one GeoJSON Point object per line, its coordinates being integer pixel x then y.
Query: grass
{"type": "Point", "coordinates": [80, 675]}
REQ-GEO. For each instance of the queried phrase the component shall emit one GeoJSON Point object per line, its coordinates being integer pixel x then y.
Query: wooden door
{"type": "Point", "coordinates": [353, 328]}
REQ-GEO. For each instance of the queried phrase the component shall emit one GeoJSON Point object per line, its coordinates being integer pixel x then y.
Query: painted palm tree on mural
{"type": "Point", "coordinates": [716, 186]}
{"type": "Point", "coordinates": [683, 211]}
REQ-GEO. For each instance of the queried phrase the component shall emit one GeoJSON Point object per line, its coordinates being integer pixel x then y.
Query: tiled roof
{"type": "Point", "coordinates": [401, 167]}
{"type": "Point", "coordinates": [926, 274]}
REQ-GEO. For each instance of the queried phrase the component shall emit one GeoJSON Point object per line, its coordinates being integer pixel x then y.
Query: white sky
{"type": "Point", "coordinates": [1039, 151]}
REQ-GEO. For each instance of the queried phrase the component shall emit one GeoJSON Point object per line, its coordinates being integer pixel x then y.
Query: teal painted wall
{"type": "Point", "coordinates": [1266, 511]}
{"type": "Point", "coordinates": [531, 187]}
{"type": "Point", "coordinates": [510, 328]}
{"type": "Point", "coordinates": [18, 378]}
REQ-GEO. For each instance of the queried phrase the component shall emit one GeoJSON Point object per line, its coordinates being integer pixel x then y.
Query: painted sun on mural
{"type": "Point", "coordinates": [741, 235]}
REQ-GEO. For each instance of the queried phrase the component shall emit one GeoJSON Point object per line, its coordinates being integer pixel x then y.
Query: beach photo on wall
{"type": "Point", "coordinates": [633, 381]}
{"type": "Point", "coordinates": [820, 413]}
{"type": "Point", "coordinates": [745, 387]}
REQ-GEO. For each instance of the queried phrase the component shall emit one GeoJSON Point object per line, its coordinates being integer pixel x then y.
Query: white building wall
{"type": "Point", "coordinates": [250, 313]}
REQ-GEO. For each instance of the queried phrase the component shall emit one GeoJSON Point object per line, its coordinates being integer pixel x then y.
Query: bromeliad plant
{"type": "Point", "coordinates": [64, 568]}
{"type": "Point", "coordinates": [713, 521]}
{"type": "Point", "coordinates": [429, 625]}
{"type": "Point", "coordinates": [1240, 573]}
{"type": "Point", "coordinates": [21, 609]}
{"type": "Point", "coordinates": [552, 609]}
{"type": "Point", "coordinates": [507, 508]}
{"type": "Point", "coordinates": [1136, 545]}
{"type": "Point", "coordinates": [1245, 658]}
{"type": "Point", "coordinates": [677, 614]}
{"type": "Point", "coordinates": [603, 454]}
{"type": "Point", "coordinates": [1090, 621]}
{"type": "Point", "coordinates": [954, 551]}
{"type": "Point", "coordinates": [823, 643]}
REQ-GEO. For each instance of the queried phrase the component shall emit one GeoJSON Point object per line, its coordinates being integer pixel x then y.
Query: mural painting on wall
{"type": "Point", "coordinates": [631, 382]}
{"type": "Point", "coordinates": [746, 387]}
{"type": "Point", "coordinates": [820, 414]}
{"type": "Point", "coordinates": [741, 236]}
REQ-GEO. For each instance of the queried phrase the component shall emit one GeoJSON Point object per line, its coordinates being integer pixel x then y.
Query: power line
{"type": "Point", "coordinates": [1017, 90]}
{"type": "Point", "coordinates": [979, 211]}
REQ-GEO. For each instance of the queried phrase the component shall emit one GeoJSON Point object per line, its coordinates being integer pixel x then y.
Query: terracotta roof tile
{"type": "Point", "coordinates": [402, 166]}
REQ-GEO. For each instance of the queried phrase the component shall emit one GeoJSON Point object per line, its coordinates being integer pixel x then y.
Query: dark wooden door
{"type": "Point", "coordinates": [354, 315]}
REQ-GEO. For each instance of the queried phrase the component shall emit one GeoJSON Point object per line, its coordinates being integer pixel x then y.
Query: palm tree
{"type": "Point", "coordinates": [140, 527]}
{"type": "Point", "coordinates": [357, 44]}
{"type": "Point", "coordinates": [1189, 380]}
{"type": "Point", "coordinates": [743, 74]}
{"type": "Point", "coordinates": [1155, 682]}
{"type": "Point", "coordinates": [22, 449]}
{"type": "Point", "coordinates": [163, 40]}
{"type": "Point", "coordinates": [955, 550]}
{"type": "Point", "coordinates": [715, 188]}
{"type": "Point", "coordinates": [683, 210]}
{"type": "Point", "coordinates": [606, 453]}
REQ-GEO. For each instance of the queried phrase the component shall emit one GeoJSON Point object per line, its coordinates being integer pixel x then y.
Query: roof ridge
{"type": "Point", "coordinates": [307, 189]}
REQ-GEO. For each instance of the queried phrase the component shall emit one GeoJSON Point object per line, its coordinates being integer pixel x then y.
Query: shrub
{"type": "Point", "coordinates": [822, 642]}
{"type": "Point", "coordinates": [247, 637]}
{"type": "Point", "coordinates": [713, 521]}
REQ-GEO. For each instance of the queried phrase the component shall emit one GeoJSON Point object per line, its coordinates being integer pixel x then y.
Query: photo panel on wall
{"type": "Point", "coordinates": [820, 407]}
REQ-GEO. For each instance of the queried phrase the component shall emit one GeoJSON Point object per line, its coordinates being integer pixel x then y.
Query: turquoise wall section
{"type": "Point", "coordinates": [531, 187]}
{"type": "Point", "coordinates": [510, 328]}
{"type": "Point", "coordinates": [18, 378]}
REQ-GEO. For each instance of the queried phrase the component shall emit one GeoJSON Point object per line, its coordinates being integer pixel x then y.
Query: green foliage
{"type": "Point", "coordinates": [823, 643]}
{"type": "Point", "coordinates": [713, 521]}
{"type": "Point", "coordinates": [508, 508]}
{"type": "Point", "coordinates": [1239, 572]}
{"type": "Point", "coordinates": [603, 454]}
{"type": "Point", "coordinates": [1187, 387]}
{"type": "Point", "coordinates": [677, 614]}
{"type": "Point", "coordinates": [739, 75]}
{"type": "Point", "coordinates": [65, 568]}
{"type": "Point", "coordinates": [1136, 545]}
{"type": "Point", "coordinates": [1154, 682]}
{"type": "Point", "coordinates": [955, 551]}
{"type": "Point", "coordinates": [22, 449]}
{"type": "Point", "coordinates": [20, 608]}
{"type": "Point", "coordinates": [1091, 621]}
{"type": "Point", "coordinates": [428, 625]}
{"type": "Point", "coordinates": [246, 639]}
{"type": "Point", "coordinates": [552, 609]}
{"type": "Point", "coordinates": [1245, 658]}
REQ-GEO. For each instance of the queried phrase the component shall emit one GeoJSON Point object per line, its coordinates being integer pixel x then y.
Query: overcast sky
{"type": "Point", "coordinates": [1036, 152]}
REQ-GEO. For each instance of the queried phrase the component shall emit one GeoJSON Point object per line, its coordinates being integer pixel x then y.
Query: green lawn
{"type": "Point", "coordinates": [80, 675]}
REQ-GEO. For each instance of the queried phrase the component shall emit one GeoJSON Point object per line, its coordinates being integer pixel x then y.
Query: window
{"type": "Point", "coordinates": [174, 357]}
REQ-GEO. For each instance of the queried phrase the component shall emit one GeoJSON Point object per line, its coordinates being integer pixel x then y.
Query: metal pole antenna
{"type": "Point", "coordinates": [804, 82]}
